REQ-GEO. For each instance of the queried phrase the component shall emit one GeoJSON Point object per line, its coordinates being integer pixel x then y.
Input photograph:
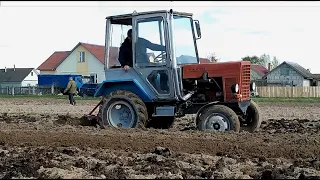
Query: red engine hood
{"type": "Point", "coordinates": [219, 69]}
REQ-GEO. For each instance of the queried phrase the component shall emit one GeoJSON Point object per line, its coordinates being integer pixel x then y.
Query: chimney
{"type": "Point", "coordinates": [269, 66]}
{"type": "Point", "coordinates": [5, 69]}
{"type": "Point", "coordinates": [14, 67]}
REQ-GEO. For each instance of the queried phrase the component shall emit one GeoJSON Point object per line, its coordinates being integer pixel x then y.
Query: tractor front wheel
{"type": "Point", "coordinates": [252, 120]}
{"type": "Point", "coordinates": [123, 109]}
{"type": "Point", "coordinates": [218, 118]}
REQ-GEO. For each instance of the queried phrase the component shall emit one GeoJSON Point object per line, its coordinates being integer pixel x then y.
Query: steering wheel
{"type": "Point", "coordinates": [163, 53]}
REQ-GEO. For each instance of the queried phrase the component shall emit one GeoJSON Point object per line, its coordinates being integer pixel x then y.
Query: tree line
{"type": "Point", "coordinates": [263, 60]}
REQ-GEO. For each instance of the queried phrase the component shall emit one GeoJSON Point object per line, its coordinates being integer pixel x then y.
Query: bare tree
{"type": "Point", "coordinates": [275, 62]}
{"type": "Point", "coordinates": [263, 60]}
{"type": "Point", "coordinates": [212, 57]}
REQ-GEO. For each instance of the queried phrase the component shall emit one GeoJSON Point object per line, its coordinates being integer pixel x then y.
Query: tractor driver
{"type": "Point", "coordinates": [126, 55]}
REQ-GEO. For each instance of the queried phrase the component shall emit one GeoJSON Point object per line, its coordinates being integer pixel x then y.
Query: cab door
{"type": "Point", "coordinates": [151, 52]}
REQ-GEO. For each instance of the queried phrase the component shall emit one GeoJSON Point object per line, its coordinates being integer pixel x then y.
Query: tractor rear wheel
{"type": "Point", "coordinates": [252, 119]}
{"type": "Point", "coordinates": [123, 109]}
{"type": "Point", "coordinates": [218, 118]}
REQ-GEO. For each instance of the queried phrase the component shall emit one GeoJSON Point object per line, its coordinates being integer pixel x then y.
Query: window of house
{"type": "Point", "coordinates": [82, 56]}
{"type": "Point", "coordinates": [31, 73]}
{"type": "Point", "coordinates": [284, 71]}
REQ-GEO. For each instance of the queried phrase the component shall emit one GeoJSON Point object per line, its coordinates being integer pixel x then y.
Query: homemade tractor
{"type": "Point", "coordinates": [170, 83]}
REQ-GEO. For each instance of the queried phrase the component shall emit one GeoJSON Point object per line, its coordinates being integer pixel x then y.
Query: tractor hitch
{"type": "Point", "coordinates": [94, 119]}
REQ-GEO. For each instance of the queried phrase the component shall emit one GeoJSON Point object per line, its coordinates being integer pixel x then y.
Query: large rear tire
{"type": "Point", "coordinates": [218, 118]}
{"type": "Point", "coordinates": [123, 109]}
{"type": "Point", "coordinates": [252, 119]}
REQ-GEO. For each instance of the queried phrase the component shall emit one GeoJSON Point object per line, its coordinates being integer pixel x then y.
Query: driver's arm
{"type": "Point", "coordinates": [154, 47]}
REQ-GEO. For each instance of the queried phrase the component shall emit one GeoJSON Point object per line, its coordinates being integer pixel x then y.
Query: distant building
{"type": "Point", "coordinates": [84, 59]}
{"type": "Point", "coordinates": [257, 72]}
{"type": "Point", "coordinates": [316, 79]}
{"type": "Point", "coordinates": [17, 77]}
{"type": "Point", "coordinates": [290, 74]}
{"type": "Point", "coordinates": [50, 65]}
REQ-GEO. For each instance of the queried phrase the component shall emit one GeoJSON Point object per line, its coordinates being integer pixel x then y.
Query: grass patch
{"type": "Point", "coordinates": [299, 99]}
{"type": "Point", "coordinates": [47, 96]}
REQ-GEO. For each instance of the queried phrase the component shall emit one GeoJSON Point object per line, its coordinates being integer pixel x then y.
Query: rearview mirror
{"type": "Point", "coordinates": [198, 30]}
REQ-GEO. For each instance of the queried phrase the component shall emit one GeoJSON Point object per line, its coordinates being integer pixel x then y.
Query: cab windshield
{"type": "Point", "coordinates": [184, 40]}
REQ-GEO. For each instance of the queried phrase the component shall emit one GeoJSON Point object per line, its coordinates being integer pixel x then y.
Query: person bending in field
{"type": "Point", "coordinates": [72, 90]}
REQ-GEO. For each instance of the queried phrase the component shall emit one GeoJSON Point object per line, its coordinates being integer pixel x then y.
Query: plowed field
{"type": "Point", "coordinates": [44, 138]}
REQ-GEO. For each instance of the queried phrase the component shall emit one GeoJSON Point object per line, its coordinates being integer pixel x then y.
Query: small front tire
{"type": "Point", "coordinates": [252, 119]}
{"type": "Point", "coordinates": [218, 118]}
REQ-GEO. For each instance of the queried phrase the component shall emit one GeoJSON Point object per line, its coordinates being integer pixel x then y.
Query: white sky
{"type": "Point", "coordinates": [31, 31]}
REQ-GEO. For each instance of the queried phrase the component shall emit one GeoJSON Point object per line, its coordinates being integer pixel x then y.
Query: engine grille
{"type": "Point", "coordinates": [245, 85]}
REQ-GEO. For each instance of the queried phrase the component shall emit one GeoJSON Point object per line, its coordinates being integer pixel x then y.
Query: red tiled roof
{"type": "Point", "coordinates": [204, 60]}
{"type": "Point", "coordinates": [98, 52]}
{"type": "Point", "coordinates": [52, 62]}
{"type": "Point", "coordinates": [259, 69]}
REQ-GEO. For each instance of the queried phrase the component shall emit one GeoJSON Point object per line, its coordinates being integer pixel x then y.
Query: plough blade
{"type": "Point", "coordinates": [94, 119]}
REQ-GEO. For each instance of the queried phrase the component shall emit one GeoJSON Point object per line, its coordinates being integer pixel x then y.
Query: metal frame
{"type": "Point", "coordinates": [117, 18]}
{"type": "Point", "coordinates": [107, 45]}
{"type": "Point", "coordinates": [140, 70]}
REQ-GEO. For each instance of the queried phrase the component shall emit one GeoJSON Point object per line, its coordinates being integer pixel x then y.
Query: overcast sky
{"type": "Point", "coordinates": [31, 31]}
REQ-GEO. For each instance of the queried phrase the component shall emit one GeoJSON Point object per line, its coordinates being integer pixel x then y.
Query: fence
{"type": "Point", "coordinates": [278, 91]}
{"type": "Point", "coordinates": [263, 91]}
{"type": "Point", "coordinates": [29, 90]}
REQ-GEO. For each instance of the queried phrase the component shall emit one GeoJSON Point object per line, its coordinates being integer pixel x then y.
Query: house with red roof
{"type": "Point", "coordinates": [50, 65]}
{"type": "Point", "coordinates": [84, 59]}
{"type": "Point", "coordinates": [258, 72]}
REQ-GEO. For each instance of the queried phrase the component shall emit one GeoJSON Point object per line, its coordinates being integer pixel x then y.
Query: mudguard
{"type": "Point", "coordinates": [108, 86]}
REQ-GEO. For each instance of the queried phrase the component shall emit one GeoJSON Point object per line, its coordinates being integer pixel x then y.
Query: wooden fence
{"type": "Point", "coordinates": [276, 91]}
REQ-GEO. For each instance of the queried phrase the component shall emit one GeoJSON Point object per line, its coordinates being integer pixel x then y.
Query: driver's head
{"type": "Point", "coordinates": [129, 34]}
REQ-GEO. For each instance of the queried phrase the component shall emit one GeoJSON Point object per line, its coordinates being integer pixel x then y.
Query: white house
{"type": "Point", "coordinates": [84, 59]}
{"type": "Point", "coordinates": [18, 77]}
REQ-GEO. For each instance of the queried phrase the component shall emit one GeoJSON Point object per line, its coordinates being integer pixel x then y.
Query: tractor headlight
{"type": "Point", "coordinates": [235, 88]}
{"type": "Point", "coordinates": [253, 86]}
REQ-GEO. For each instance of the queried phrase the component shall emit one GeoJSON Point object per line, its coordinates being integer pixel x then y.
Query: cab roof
{"type": "Point", "coordinates": [126, 18]}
